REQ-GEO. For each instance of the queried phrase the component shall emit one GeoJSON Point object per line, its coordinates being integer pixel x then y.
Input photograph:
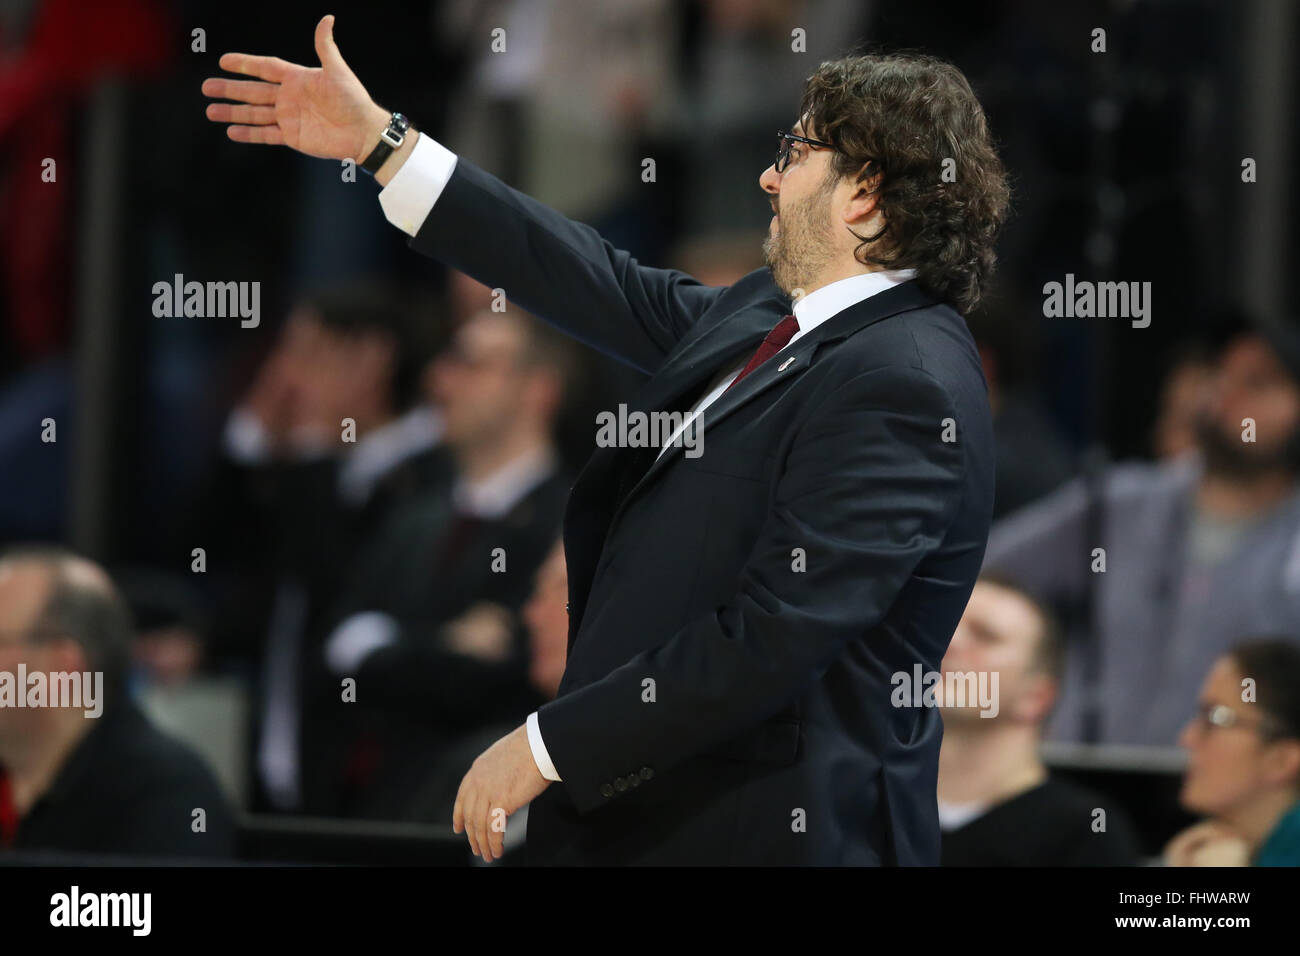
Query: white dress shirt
{"type": "Point", "coordinates": [811, 311]}
{"type": "Point", "coordinates": [411, 194]}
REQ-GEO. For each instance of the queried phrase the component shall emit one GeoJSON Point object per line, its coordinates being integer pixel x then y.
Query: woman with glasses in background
{"type": "Point", "coordinates": [1243, 770]}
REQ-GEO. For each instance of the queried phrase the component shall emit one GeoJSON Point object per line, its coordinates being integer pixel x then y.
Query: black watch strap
{"type": "Point", "coordinates": [391, 138]}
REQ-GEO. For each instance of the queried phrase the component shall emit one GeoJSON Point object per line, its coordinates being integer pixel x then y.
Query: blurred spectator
{"type": "Point", "coordinates": [170, 629]}
{"type": "Point", "coordinates": [546, 616]}
{"type": "Point", "coordinates": [331, 436]}
{"type": "Point", "coordinates": [1244, 766]}
{"type": "Point", "coordinates": [993, 787]}
{"type": "Point", "coordinates": [549, 117]}
{"type": "Point", "coordinates": [1156, 570]}
{"type": "Point", "coordinates": [1182, 396]}
{"type": "Point", "coordinates": [110, 783]}
{"type": "Point", "coordinates": [429, 615]}
{"type": "Point", "coordinates": [52, 56]}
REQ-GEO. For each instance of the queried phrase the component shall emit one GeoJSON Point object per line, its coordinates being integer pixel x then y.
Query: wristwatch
{"type": "Point", "coordinates": [391, 138]}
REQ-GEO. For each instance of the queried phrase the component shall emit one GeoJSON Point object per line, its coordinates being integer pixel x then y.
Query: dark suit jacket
{"type": "Point", "coordinates": [416, 698]}
{"type": "Point", "coordinates": [736, 617]}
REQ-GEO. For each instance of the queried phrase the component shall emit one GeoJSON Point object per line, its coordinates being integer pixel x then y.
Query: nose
{"type": "Point", "coordinates": [770, 180]}
{"type": "Point", "coordinates": [1187, 736]}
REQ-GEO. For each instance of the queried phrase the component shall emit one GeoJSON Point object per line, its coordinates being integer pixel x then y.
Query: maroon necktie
{"type": "Point", "coordinates": [776, 340]}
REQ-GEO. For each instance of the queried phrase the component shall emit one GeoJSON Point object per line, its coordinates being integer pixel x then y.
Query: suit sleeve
{"type": "Point", "coordinates": [561, 270]}
{"type": "Point", "coordinates": [869, 489]}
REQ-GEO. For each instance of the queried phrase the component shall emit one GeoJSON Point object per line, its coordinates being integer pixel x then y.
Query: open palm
{"type": "Point", "coordinates": [323, 112]}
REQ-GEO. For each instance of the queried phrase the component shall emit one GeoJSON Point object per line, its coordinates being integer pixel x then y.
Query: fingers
{"type": "Point", "coordinates": [474, 826]}
{"type": "Point", "coordinates": [244, 115]}
{"type": "Point", "coordinates": [246, 91]}
{"type": "Point", "coordinates": [496, 837]}
{"type": "Point", "coordinates": [269, 68]}
{"type": "Point", "coordinates": [473, 814]}
{"type": "Point", "coordinates": [265, 135]}
{"type": "Point", "coordinates": [463, 814]}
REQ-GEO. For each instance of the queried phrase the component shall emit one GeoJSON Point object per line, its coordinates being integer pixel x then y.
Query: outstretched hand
{"type": "Point", "coordinates": [323, 111]}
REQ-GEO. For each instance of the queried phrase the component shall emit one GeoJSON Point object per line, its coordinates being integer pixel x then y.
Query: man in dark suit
{"type": "Point", "coordinates": [740, 605]}
{"type": "Point", "coordinates": [332, 436]}
{"type": "Point", "coordinates": [427, 623]}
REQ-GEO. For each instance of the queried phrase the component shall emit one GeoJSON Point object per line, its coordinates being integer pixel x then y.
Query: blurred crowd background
{"type": "Point", "coordinates": [256, 552]}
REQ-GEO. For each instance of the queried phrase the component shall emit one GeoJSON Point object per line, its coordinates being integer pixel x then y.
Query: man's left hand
{"type": "Point", "coordinates": [501, 780]}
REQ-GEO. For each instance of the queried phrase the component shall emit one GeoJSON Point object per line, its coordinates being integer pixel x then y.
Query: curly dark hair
{"type": "Point", "coordinates": [908, 113]}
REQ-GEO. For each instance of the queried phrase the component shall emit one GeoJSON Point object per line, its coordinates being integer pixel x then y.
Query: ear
{"type": "Point", "coordinates": [862, 212]}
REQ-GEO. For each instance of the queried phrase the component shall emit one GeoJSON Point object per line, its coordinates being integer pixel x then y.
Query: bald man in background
{"type": "Point", "coordinates": [95, 777]}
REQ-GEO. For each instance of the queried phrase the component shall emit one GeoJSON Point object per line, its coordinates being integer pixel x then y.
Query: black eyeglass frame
{"type": "Point", "coordinates": [786, 142]}
{"type": "Point", "coordinates": [788, 139]}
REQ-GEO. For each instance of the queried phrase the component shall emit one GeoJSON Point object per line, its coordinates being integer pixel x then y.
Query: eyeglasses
{"type": "Point", "coordinates": [1222, 716]}
{"type": "Point", "coordinates": [785, 141]}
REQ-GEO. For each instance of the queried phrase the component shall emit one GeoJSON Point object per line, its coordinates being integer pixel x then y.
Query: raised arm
{"type": "Point", "coordinates": [560, 269]}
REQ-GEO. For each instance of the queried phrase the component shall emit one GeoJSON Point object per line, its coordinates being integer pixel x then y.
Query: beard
{"type": "Point", "coordinates": [1227, 456]}
{"type": "Point", "coordinates": [802, 247]}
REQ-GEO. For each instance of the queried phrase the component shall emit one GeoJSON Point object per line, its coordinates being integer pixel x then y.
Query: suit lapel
{"type": "Point", "coordinates": [782, 368]}
{"type": "Point", "coordinates": [685, 373]}
{"type": "Point", "coordinates": [696, 361]}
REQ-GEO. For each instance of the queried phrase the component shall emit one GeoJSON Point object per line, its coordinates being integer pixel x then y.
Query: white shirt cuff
{"type": "Point", "coordinates": [540, 756]}
{"type": "Point", "coordinates": [414, 188]}
{"type": "Point", "coordinates": [356, 638]}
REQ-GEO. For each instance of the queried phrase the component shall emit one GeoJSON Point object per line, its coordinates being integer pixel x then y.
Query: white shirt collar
{"type": "Point", "coordinates": [494, 496]}
{"type": "Point", "coordinates": [821, 304]}
{"type": "Point", "coordinates": [380, 451]}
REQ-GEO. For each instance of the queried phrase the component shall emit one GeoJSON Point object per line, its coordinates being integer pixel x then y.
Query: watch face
{"type": "Point", "coordinates": [393, 138]}
{"type": "Point", "coordinates": [395, 133]}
